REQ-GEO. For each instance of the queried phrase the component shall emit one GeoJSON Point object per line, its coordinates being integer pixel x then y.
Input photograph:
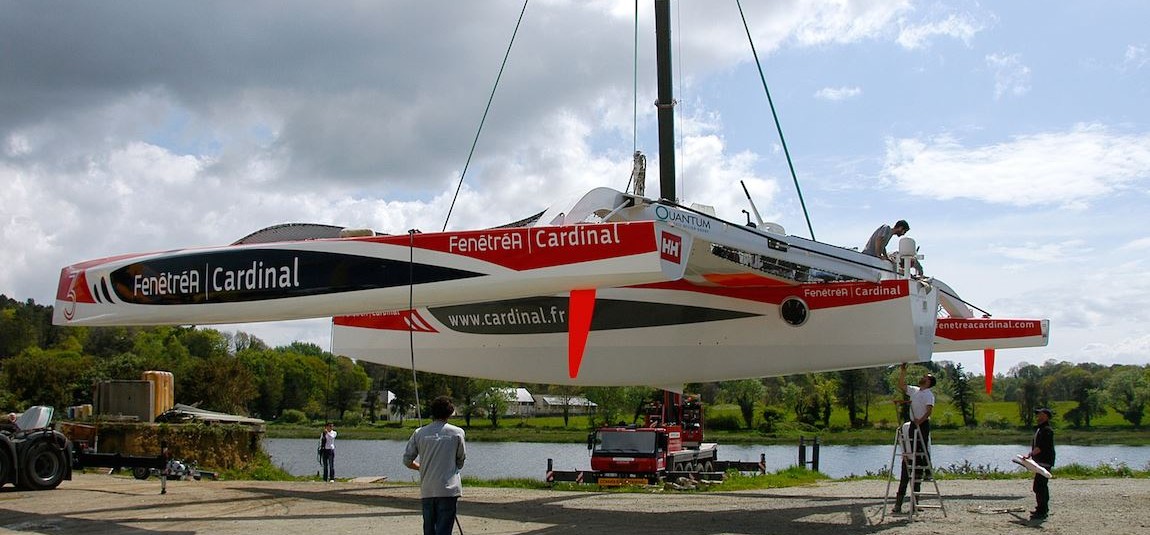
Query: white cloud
{"type": "Point", "coordinates": [1135, 58]}
{"type": "Point", "coordinates": [962, 27]}
{"type": "Point", "coordinates": [1133, 350]}
{"type": "Point", "coordinates": [1140, 244]}
{"type": "Point", "coordinates": [1069, 168]}
{"type": "Point", "coordinates": [820, 22]}
{"type": "Point", "coordinates": [1044, 252]}
{"type": "Point", "coordinates": [838, 93]}
{"type": "Point", "coordinates": [1011, 77]}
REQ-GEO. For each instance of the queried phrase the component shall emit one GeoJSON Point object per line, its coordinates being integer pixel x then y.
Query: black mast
{"type": "Point", "coordinates": [666, 101]}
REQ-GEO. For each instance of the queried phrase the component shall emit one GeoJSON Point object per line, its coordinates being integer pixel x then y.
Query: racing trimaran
{"type": "Point", "coordinates": [614, 289]}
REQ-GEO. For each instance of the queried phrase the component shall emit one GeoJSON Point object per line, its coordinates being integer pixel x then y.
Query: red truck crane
{"type": "Point", "coordinates": [669, 443]}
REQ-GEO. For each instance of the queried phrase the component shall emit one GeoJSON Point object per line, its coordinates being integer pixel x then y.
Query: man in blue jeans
{"type": "Point", "coordinates": [438, 450]}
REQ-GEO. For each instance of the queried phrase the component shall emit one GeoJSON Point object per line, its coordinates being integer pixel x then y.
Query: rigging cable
{"type": "Point", "coordinates": [634, 94]}
{"type": "Point", "coordinates": [774, 114]}
{"type": "Point", "coordinates": [635, 85]}
{"type": "Point", "coordinates": [490, 98]}
{"type": "Point", "coordinates": [411, 319]}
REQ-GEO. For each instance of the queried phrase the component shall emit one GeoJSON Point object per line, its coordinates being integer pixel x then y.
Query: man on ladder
{"type": "Point", "coordinates": [921, 405]}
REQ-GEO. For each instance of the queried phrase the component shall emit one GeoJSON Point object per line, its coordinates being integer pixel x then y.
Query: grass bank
{"type": "Point", "coordinates": [788, 477]}
{"type": "Point", "coordinates": [539, 430]}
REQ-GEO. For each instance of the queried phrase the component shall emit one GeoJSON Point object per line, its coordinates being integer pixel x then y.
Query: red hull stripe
{"type": "Point", "coordinates": [538, 247]}
{"type": "Point", "coordinates": [816, 296]}
{"type": "Point", "coordinates": [391, 321]}
{"type": "Point", "coordinates": [986, 328]}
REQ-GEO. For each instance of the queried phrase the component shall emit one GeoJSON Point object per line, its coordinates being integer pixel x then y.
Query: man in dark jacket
{"type": "Point", "coordinates": [1042, 452]}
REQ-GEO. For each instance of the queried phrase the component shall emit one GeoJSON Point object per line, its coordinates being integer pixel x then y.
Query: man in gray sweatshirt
{"type": "Point", "coordinates": [438, 450]}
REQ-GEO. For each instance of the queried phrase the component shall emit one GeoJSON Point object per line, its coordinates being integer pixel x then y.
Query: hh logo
{"type": "Point", "coordinates": [671, 248]}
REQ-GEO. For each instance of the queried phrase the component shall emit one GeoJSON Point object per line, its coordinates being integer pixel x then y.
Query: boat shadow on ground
{"type": "Point", "coordinates": [593, 511]}
{"type": "Point", "coordinates": [29, 522]}
{"type": "Point", "coordinates": [481, 511]}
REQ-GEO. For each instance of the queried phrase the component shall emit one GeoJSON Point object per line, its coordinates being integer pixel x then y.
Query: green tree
{"type": "Point", "coordinates": [495, 398]}
{"type": "Point", "coordinates": [615, 403]}
{"type": "Point", "coordinates": [350, 382]}
{"type": "Point", "coordinates": [221, 384]}
{"type": "Point", "coordinates": [1128, 389]}
{"type": "Point", "coordinates": [241, 341]}
{"type": "Point", "coordinates": [26, 325]}
{"type": "Point", "coordinates": [566, 393]}
{"type": "Point", "coordinates": [1083, 387]}
{"type": "Point", "coordinates": [1029, 396]}
{"type": "Point", "coordinates": [854, 394]}
{"type": "Point", "coordinates": [305, 382]}
{"type": "Point", "coordinates": [825, 389]}
{"type": "Point", "coordinates": [745, 393]}
{"type": "Point", "coordinates": [266, 367]}
{"type": "Point", "coordinates": [49, 377]}
{"type": "Point", "coordinates": [402, 385]}
{"type": "Point", "coordinates": [17, 333]}
{"type": "Point", "coordinates": [799, 395]}
{"type": "Point", "coordinates": [466, 392]}
{"type": "Point", "coordinates": [961, 392]}
{"type": "Point", "coordinates": [203, 343]}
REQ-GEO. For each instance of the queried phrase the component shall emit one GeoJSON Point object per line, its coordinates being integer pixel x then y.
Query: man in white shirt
{"type": "Point", "coordinates": [441, 449]}
{"type": "Point", "coordinates": [921, 406]}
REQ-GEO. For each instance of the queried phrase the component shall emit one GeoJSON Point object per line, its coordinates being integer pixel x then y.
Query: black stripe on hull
{"type": "Point", "coordinates": [266, 274]}
{"type": "Point", "coordinates": [542, 315]}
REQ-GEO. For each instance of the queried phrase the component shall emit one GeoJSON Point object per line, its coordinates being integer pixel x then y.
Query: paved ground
{"type": "Point", "coordinates": [97, 504]}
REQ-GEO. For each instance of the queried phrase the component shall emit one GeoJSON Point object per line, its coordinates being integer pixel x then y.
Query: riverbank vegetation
{"type": "Point", "coordinates": [298, 387]}
{"type": "Point", "coordinates": [788, 477]}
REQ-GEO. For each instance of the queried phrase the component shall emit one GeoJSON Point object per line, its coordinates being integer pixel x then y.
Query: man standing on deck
{"type": "Point", "coordinates": [921, 406]}
{"type": "Point", "coordinates": [441, 450]}
{"type": "Point", "coordinates": [1042, 452]}
{"type": "Point", "coordinates": [876, 245]}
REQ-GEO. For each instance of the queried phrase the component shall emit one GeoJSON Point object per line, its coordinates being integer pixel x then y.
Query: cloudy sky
{"type": "Point", "coordinates": [1014, 136]}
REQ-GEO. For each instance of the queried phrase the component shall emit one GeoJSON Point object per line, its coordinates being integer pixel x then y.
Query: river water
{"type": "Point", "coordinates": [494, 460]}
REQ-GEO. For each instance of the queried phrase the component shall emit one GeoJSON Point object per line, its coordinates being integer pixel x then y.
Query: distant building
{"type": "Point", "coordinates": [552, 405]}
{"type": "Point", "coordinates": [520, 402]}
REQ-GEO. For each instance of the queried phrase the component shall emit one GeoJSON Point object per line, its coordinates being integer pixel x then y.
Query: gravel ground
{"type": "Point", "coordinates": [97, 504]}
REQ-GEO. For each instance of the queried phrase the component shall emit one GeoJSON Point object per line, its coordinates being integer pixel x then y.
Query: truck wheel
{"type": "Point", "coordinates": [141, 472]}
{"type": "Point", "coordinates": [708, 467]}
{"type": "Point", "coordinates": [44, 467]}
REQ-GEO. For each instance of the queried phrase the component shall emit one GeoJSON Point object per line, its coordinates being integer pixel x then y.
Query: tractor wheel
{"type": "Point", "coordinates": [141, 473]}
{"type": "Point", "coordinates": [7, 467]}
{"type": "Point", "coordinates": [44, 466]}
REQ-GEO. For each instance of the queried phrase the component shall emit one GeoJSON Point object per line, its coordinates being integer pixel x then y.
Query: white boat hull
{"type": "Point", "coordinates": [660, 335]}
{"type": "Point", "coordinates": [318, 278]}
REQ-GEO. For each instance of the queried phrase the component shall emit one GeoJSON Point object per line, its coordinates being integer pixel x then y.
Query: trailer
{"type": "Point", "coordinates": [608, 479]}
{"type": "Point", "coordinates": [36, 456]}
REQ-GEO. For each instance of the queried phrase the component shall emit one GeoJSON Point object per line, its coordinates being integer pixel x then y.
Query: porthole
{"type": "Point", "coordinates": [794, 311]}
